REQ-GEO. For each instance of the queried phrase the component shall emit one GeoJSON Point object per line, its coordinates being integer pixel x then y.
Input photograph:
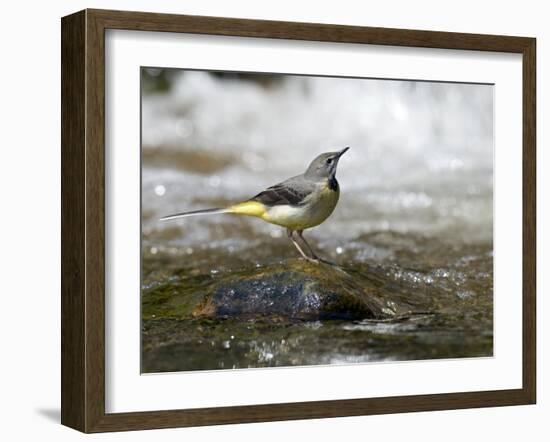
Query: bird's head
{"type": "Point", "coordinates": [324, 166]}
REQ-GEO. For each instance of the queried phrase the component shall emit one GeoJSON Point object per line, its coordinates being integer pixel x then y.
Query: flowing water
{"type": "Point", "coordinates": [414, 217]}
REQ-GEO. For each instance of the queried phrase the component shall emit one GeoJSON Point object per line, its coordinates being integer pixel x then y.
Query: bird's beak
{"type": "Point", "coordinates": [342, 152]}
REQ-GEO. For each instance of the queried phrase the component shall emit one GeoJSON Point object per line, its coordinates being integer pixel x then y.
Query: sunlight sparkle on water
{"type": "Point", "coordinates": [160, 190]}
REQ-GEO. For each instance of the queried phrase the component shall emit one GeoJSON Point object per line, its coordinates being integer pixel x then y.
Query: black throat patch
{"type": "Point", "coordinates": [332, 183]}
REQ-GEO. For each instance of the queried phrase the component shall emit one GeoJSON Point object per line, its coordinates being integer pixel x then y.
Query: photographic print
{"type": "Point", "coordinates": [292, 220]}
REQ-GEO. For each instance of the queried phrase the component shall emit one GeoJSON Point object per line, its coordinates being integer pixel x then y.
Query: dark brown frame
{"type": "Point", "coordinates": [83, 216]}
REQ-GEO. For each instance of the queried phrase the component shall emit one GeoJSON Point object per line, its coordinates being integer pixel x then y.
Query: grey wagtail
{"type": "Point", "coordinates": [299, 203]}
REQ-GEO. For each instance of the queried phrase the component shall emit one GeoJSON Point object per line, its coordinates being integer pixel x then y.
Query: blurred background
{"type": "Point", "coordinates": [420, 161]}
{"type": "Point", "coordinates": [416, 204]}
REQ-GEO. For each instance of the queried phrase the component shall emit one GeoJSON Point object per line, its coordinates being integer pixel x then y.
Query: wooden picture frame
{"type": "Point", "coordinates": [83, 220]}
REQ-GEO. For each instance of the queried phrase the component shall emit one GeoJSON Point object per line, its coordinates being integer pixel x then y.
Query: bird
{"type": "Point", "coordinates": [298, 203]}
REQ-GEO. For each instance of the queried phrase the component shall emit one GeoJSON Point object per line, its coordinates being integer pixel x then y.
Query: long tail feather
{"type": "Point", "coordinates": [194, 213]}
{"type": "Point", "coordinates": [248, 208]}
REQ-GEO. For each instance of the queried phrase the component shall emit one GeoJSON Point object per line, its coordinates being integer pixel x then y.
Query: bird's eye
{"type": "Point", "coordinates": [329, 161]}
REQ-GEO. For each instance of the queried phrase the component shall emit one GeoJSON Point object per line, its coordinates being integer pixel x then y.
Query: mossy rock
{"type": "Point", "coordinates": [294, 289]}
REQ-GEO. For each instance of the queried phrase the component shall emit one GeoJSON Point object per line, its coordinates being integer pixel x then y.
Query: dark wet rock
{"type": "Point", "coordinates": [292, 313]}
{"type": "Point", "coordinates": [293, 289]}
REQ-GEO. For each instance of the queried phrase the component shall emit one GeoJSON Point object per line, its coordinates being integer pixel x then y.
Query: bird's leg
{"type": "Point", "coordinates": [312, 253]}
{"type": "Point", "coordinates": [290, 235]}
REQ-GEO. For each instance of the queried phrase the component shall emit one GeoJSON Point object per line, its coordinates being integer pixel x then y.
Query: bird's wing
{"type": "Point", "coordinates": [293, 192]}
